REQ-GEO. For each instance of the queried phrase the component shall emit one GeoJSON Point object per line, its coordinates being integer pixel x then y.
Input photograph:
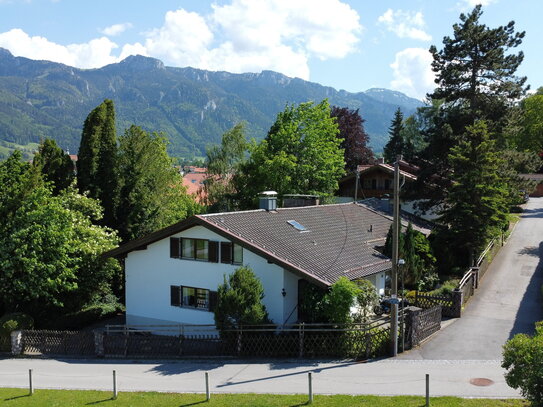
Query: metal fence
{"type": "Point", "coordinates": [470, 281]}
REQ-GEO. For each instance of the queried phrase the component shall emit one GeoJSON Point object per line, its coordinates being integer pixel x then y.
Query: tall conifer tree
{"type": "Point", "coordinates": [96, 166]}
{"type": "Point", "coordinates": [396, 143]}
{"type": "Point", "coordinates": [55, 165]}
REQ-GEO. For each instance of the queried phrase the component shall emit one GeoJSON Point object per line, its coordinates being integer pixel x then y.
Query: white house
{"type": "Point", "coordinates": [172, 275]}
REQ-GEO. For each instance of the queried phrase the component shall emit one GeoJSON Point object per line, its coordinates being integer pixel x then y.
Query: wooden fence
{"type": "Point", "coordinates": [450, 304]}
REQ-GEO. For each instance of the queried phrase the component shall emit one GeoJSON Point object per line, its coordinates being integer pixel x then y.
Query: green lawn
{"type": "Point", "coordinates": [66, 398]}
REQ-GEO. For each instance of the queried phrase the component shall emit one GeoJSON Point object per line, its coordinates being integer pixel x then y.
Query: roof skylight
{"type": "Point", "coordinates": [297, 226]}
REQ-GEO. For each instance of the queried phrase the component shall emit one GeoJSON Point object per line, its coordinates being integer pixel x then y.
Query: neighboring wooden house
{"type": "Point", "coordinates": [172, 275]}
{"type": "Point", "coordinates": [375, 180]}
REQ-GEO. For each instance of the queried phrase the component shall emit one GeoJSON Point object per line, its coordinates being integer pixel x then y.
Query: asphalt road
{"type": "Point", "coordinates": [384, 377]}
{"type": "Point", "coordinates": [507, 302]}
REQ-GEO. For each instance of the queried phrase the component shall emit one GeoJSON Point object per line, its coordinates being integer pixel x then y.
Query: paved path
{"type": "Point", "coordinates": [507, 302]}
{"type": "Point", "coordinates": [385, 377]}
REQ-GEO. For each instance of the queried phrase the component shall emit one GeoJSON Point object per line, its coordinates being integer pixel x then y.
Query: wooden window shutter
{"type": "Point", "coordinates": [213, 254]}
{"type": "Point", "coordinates": [226, 252]}
{"type": "Point", "coordinates": [213, 298]}
{"type": "Point", "coordinates": [175, 295]}
{"type": "Point", "coordinates": [175, 247]}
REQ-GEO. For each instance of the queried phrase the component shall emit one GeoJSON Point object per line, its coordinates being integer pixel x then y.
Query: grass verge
{"type": "Point", "coordinates": [67, 398]}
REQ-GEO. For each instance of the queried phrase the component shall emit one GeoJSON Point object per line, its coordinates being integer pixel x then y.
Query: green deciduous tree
{"type": "Point", "coordinates": [523, 360]}
{"type": "Point", "coordinates": [300, 154]}
{"type": "Point", "coordinates": [476, 207]}
{"type": "Point", "coordinates": [222, 163]}
{"type": "Point", "coordinates": [96, 165]}
{"type": "Point", "coordinates": [151, 193]}
{"type": "Point", "coordinates": [49, 248]}
{"type": "Point", "coordinates": [55, 165]}
{"type": "Point", "coordinates": [396, 144]}
{"type": "Point", "coordinates": [239, 301]}
{"type": "Point", "coordinates": [531, 134]}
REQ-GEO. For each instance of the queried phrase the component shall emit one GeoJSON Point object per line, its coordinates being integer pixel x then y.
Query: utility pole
{"type": "Point", "coordinates": [356, 184]}
{"type": "Point", "coordinates": [395, 249]}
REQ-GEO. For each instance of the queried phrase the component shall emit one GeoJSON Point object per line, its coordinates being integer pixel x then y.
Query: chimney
{"type": "Point", "coordinates": [268, 200]}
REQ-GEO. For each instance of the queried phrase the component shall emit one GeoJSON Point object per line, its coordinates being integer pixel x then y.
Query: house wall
{"type": "Point", "coordinates": [378, 280]}
{"type": "Point", "coordinates": [151, 272]}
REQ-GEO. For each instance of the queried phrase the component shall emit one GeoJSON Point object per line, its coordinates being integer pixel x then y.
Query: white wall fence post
{"type": "Point", "coordinates": [30, 384]}
{"type": "Point", "coordinates": [427, 390]}
{"type": "Point", "coordinates": [208, 395]}
{"type": "Point", "coordinates": [310, 384]}
{"type": "Point", "coordinates": [114, 385]}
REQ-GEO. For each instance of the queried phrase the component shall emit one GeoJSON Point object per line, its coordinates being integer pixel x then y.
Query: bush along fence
{"type": "Point", "coordinates": [451, 304]}
{"type": "Point", "coordinates": [357, 341]}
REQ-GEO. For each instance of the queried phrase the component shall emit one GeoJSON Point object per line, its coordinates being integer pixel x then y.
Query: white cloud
{"type": "Point", "coordinates": [405, 24]}
{"type": "Point", "coordinates": [240, 36]}
{"type": "Point", "coordinates": [93, 54]}
{"type": "Point", "coordinates": [413, 73]}
{"type": "Point", "coordinates": [473, 3]}
{"type": "Point", "coordinates": [252, 35]}
{"type": "Point", "coordinates": [116, 29]}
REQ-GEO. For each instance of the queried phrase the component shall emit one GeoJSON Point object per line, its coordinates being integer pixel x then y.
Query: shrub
{"type": "Point", "coordinates": [366, 299]}
{"type": "Point", "coordinates": [338, 301]}
{"type": "Point", "coordinates": [523, 359]}
{"type": "Point", "coordinates": [446, 288]}
{"type": "Point", "coordinates": [239, 301]}
{"type": "Point", "coordinates": [13, 322]}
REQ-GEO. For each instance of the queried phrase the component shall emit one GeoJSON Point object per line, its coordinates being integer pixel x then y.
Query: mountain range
{"type": "Point", "coordinates": [192, 107]}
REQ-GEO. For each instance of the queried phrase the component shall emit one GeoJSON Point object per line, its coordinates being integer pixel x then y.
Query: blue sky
{"type": "Point", "coordinates": [347, 44]}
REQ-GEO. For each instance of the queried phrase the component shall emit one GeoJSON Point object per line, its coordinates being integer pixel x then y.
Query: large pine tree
{"type": "Point", "coordinates": [476, 205]}
{"type": "Point", "coordinates": [396, 144]}
{"type": "Point", "coordinates": [475, 77]}
{"type": "Point", "coordinates": [96, 165]}
{"type": "Point", "coordinates": [475, 71]}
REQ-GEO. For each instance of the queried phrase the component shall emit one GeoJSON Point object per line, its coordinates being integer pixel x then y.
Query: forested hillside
{"type": "Point", "coordinates": [193, 107]}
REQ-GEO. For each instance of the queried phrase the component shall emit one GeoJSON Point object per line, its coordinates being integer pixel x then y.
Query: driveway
{"type": "Point", "coordinates": [507, 302]}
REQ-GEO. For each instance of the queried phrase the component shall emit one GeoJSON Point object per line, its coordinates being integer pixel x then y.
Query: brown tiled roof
{"type": "Point", "coordinates": [340, 239]}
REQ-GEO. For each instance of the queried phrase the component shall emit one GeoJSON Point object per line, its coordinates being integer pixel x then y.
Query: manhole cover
{"type": "Point", "coordinates": [481, 381]}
